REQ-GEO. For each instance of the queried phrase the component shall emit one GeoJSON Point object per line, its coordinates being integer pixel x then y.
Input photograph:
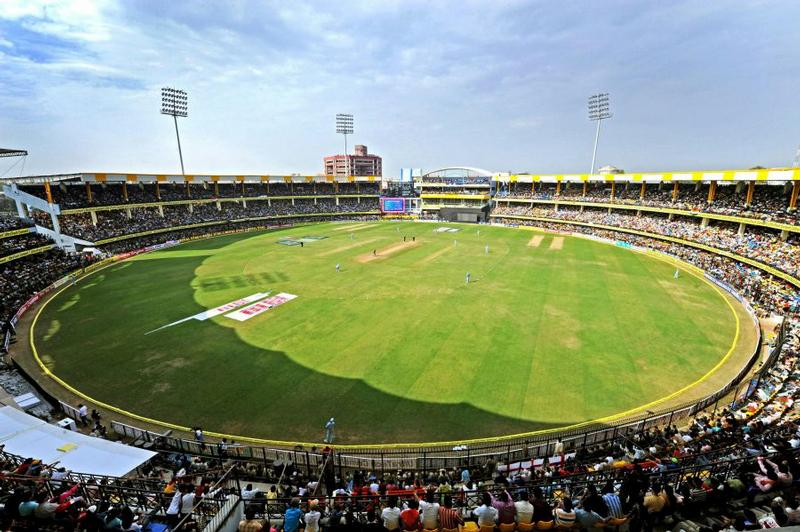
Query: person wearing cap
{"type": "Point", "coordinates": [313, 516]}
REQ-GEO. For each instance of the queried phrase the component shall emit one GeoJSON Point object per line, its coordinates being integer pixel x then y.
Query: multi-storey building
{"type": "Point", "coordinates": [362, 163]}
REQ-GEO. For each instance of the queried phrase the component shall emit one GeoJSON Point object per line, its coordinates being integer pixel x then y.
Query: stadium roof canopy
{"type": "Point", "coordinates": [459, 171]}
{"type": "Point", "coordinates": [29, 436]}
{"type": "Point", "coordinates": [39, 179]}
{"type": "Point", "coordinates": [7, 152]}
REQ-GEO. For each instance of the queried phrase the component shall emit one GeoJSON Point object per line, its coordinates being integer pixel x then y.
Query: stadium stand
{"type": "Point", "coordinates": [733, 466]}
{"type": "Point", "coordinates": [768, 202]}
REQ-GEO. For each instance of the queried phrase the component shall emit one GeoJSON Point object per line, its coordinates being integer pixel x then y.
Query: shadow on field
{"type": "Point", "coordinates": [200, 373]}
{"type": "Point", "coordinates": [214, 284]}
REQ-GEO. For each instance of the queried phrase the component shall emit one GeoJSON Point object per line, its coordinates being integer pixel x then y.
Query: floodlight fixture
{"type": "Point", "coordinates": [175, 103]}
{"type": "Point", "coordinates": [344, 126]}
{"type": "Point", "coordinates": [599, 110]}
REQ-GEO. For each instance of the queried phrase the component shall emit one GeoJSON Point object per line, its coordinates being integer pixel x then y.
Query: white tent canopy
{"type": "Point", "coordinates": [29, 436]}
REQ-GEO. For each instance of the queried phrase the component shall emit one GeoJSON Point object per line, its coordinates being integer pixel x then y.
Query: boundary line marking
{"type": "Point", "coordinates": [280, 443]}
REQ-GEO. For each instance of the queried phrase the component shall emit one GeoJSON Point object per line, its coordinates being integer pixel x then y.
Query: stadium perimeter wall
{"type": "Point", "coordinates": [421, 456]}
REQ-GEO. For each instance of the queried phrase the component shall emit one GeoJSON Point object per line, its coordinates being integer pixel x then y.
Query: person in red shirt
{"type": "Point", "coordinates": [410, 516]}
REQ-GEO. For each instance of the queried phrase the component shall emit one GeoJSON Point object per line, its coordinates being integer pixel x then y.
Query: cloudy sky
{"type": "Point", "coordinates": [499, 85]}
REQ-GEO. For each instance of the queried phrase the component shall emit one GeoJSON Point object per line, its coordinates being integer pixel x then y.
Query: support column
{"type": "Point", "coordinates": [244, 204]}
{"type": "Point", "coordinates": [128, 214]}
{"type": "Point", "coordinates": [315, 200]}
{"type": "Point", "coordinates": [292, 202]}
{"type": "Point", "coordinates": [337, 200]}
{"type": "Point", "coordinates": [641, 192]}
{"type": "Point", "coordinates": [216, 189]}
{"type": "Point", "coordinates": [555, 207]}
{"type": "Point", "coordinates": [93, 216]}
{"type": "Point", "coordinates": [358, 188]}
{"type": "Point", "coordinates": [585, 186]}
{"type": "Point", "coordinates": [533, 187]}
{"type": "Point", "coordinates": [704, 223]}
{"type": "Point", "coordinates": [188, 194]}
{"type": "Point", "coordinates": [89, 193]}
{"type": "Point", "coordinates": [191, 208]}
{"type": "Point", "coordinates": [125, 191]}
{"type": "Point", "coordinates": [158, 194]}
{"type": "Point", "coordinates": [558, 188]}
{"type": "Point", "coordinates": [582, 207]}
{"type": "Point", "coordinates": [674, 192]}
{"type": "Point", "coordinates": [751, 186]}
{"type": "Point", "coordinates": [48, 192]}
{"type": "Point", "coordinates": [784, 235]}
{"type": "Point", "coordinates": [639, 213]}
{"type": "Point", "coordinates": [613, 191]}
{"type": "Point", "coordinates": [795, 194]}
{"type": "Point", "coordinates": [671, 216]}
{"type": "Point", "coordinates": [161, 210]}
{"type": "Point", "coordinates": [21, 211]}
{"type": "Point", "coordinates": [740, 232]}
{"type": "Point", "coordinates": [712, 191]}
{"type": "Point", "coordinates": [219, 205]}
{"type": "Point", "coordinates": [56, 226]}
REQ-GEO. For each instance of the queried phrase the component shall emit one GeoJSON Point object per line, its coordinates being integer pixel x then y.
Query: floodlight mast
{"type": "Point", "coordinates": [598, 111]}
{"type": "Point", "coordinates": [174, 102]}
{"type": "Point", "coordinates": [344, 126]}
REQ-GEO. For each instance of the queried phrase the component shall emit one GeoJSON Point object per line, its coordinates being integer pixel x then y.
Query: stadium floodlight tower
{"type": "Point", "coordinates": [598, 111]}
{"type": "Point", "coordinates": [344, 126]}
{"type": "Point", "coordinates": [174, 102]}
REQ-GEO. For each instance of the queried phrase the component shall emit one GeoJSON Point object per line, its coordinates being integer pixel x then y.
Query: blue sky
{"type": "Point", "coordinates": [498, 85]}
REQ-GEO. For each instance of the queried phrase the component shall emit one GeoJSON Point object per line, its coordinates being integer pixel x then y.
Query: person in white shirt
{"type": "Point", "coordinates": [429, 511]}
{"type": "Point", "coordinates": [374, 487]}
{"type": "Point", "coordinates": [313, 516]}
{"type": "Point", "coordinates": [249, 493]}
{"type": "Point", "coordinates": [391, 514]}
{"type": "Point", "coordinates": [486, 513]}
{"type": "Point", "coordinates": [83, 412]}
{"type": "Point", "coordinates": [524, 509]}
{"type": "Point", "coordinates": [181, 504]}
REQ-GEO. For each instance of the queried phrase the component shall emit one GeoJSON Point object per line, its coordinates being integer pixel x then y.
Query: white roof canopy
{"type": "Point", "coordinates": [29, 436]}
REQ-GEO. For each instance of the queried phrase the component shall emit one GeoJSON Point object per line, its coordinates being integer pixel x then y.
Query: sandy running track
{"type": "Point", "coordinates": [386, 252]}
{"type": "Point", "coordinates": [557, 243]}
{"type": "Point", "coordinates": [535, 241]}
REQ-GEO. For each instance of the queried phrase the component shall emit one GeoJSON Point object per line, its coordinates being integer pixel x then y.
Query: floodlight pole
{"type": "Point", "coordinates": [174, 102]}
{"type": "Point", "coordinates": [594, 152]}
{"type": "Point", "coordinates": [598, 111]}
{"type": "Point", "coordinates": [180, 153]}
{"type": "Point", "coordinates": [344, 125]}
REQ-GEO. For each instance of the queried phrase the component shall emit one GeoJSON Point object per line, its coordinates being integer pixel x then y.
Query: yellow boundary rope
{"type": "Point", "coordinates": [691, 269]}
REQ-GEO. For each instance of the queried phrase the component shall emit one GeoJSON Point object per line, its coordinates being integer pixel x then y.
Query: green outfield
{"type": "Point", "coordinates": [550, 331]}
